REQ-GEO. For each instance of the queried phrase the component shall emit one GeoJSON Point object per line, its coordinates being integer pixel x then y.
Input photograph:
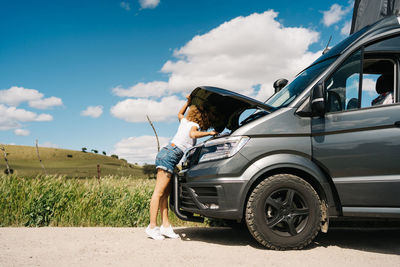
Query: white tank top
{"type": "Point", "coordinates": [182, 139]}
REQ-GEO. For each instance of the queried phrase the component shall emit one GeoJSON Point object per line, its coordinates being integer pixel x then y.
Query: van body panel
{"type": "Point", "coordinates": [233, 190]}
{"type": "Point", "coordinates": [372, 191]}
{"type": "Point", "coordinates": [359, 144]}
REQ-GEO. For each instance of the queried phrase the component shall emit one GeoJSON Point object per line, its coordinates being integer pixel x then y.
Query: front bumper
{"type": "Point", "coordinates": [211, 197]}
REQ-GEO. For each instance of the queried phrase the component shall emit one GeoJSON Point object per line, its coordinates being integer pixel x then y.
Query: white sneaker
{"type": "Point", "coordinates": [168, 232]}
{"type": "Point", "coordinates": [154, 233]}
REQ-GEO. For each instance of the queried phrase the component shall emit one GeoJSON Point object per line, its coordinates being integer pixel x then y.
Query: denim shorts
{"type": "Point", "coordinates": [168, 157]}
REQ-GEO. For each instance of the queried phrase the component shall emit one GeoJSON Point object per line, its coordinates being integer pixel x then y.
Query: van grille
{"type": "Point", "coordinates": [205, 195]}
{"type": "Point", "coordinates": [186, 199]}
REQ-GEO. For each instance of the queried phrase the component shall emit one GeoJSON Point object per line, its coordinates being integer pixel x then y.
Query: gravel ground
{"type": "Point", "coordinates": [50, 246]}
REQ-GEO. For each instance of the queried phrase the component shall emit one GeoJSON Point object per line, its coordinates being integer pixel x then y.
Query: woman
{"type": "Point", "coordinates": [167, 159]}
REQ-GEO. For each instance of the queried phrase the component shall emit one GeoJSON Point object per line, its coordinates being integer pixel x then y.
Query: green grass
{"type": "Point", "coordinates": [29, 198]}
{"type": "Point", "coordinates": [24, 161]}
{"type": "Point", "coordinates": [61, 201]}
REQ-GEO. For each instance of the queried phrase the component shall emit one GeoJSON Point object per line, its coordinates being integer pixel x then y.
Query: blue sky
{"type": "Point", "coordinates": [85, 73]}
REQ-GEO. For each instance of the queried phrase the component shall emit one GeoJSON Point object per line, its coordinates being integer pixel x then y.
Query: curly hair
{"type": "Point", "coordinates": [199, 117]}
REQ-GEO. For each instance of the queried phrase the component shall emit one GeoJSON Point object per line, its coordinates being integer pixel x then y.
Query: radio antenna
{"type": "Point", "coordinates": [327, 45]}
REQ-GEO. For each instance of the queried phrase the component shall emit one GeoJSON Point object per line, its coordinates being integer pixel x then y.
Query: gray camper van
{"type": "Point", "coordinates": [325, 146]}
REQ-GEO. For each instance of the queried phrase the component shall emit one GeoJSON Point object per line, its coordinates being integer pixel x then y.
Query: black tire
{"type": "Point", "coordinates": [283, 212]}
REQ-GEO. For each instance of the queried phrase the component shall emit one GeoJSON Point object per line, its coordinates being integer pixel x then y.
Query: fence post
{"type": "Point", "coordinates": [5, 158]}
{"type": "Point", "coordinates": [41, 163]}
{"type": "Point", "coordinates": [98, 172]}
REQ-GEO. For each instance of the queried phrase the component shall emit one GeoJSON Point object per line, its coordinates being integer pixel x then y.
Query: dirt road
{"type": "Point", "coordinates": [197, 247]}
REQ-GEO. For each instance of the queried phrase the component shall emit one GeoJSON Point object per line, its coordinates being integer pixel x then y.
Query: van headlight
{"type": "Point", "coordinates": [222, 148]}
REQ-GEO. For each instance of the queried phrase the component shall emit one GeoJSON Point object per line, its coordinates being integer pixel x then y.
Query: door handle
{"type": "Point", "coordinates": [397, 124]}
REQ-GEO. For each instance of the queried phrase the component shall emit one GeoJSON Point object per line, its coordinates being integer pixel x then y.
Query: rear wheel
{"type": "Point", "coordinates": [283, 212]}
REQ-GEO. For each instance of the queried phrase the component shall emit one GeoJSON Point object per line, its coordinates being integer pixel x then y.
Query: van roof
{"type": "Point", "coordinates": [381, 26]}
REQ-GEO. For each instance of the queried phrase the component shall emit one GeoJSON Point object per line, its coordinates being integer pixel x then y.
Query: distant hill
{"type": "Point", "coordinates": [24, 161]}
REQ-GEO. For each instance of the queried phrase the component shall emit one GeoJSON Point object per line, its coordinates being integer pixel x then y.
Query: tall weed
{"type": "Point", "coordinates": [58, 201]}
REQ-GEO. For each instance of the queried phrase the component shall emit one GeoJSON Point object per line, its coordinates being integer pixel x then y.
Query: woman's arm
{"type": "Point", "coordinates": [195, 133]}
{"type": "Point", "coordinates": [181, 113]}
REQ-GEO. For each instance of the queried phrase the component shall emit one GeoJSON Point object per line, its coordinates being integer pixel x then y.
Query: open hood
{"type": "Point", "coordinates": [224, 106]}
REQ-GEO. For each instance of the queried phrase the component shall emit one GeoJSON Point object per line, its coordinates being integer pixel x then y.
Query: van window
{"type": "Point", "coordinates": [285, 96]}
{"type": "Point", "coordinates": [352, 84]}
{"type": "Point", "coordinates": [378, 82]}
{"type": "Point", "coordinates": [344, 91]}
{"type": "Point", "coordinates": [342, 86]}
{"type": "Point", "coordinates": [391, 44]}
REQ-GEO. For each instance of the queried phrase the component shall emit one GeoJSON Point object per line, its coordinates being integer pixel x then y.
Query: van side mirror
{"type": "Point", "coordinates": [279, 84]}
{"type": "Point", "coordinates": [318, 100]}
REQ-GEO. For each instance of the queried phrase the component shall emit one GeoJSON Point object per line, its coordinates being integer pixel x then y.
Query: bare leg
{"type": "Point", "coordinates": [163, 179]}
{"type": "Point", "coordinates": [164, 206]}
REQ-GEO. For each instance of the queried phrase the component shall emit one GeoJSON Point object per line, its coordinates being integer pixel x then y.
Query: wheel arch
{"type": "Point", "coordinates": [296, 165]}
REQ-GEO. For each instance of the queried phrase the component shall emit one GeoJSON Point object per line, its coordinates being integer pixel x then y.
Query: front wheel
{"type": "Point", "coordinates": [283, 212]}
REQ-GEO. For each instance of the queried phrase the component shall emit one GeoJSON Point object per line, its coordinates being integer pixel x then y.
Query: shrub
{"type": "Point", "coordinates": [114, 156]}
{"type": "Point", "coordinates": [150, 170]}
{"type": "Point", "coordinates": [8, 172]}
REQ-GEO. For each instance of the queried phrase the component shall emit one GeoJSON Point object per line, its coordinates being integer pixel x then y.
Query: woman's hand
{"type": "Point", "coordinates": [195, 133]}
{"type": "Point", "coordinates": [182, 111]}
{"type": "Point", "coordinates": [213, 133]}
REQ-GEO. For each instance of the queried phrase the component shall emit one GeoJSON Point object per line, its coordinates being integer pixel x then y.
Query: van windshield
{"type": "Point", "coordinates": [284, 97]}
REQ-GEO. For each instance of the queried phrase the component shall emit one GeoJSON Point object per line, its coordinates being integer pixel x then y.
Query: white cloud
{"type": "Point", "coordinates": [334, 14]}
{"type": "Point", "coordinates": [135, 110]}
{"type": "Point", "coordinates": [7, 124]}
{"type": "Point", "coordinates": [22, 114]}
{"type": "Point", "coordinates": [242, 54]}
{"type": "Point", "coordinates": [92, 111]}
{"type": "Point", "coordinates": [17, 95]}
{"type": "Point", "coordinates": [11, 117]}
{"type": "Point", "coordinates": [21, 132]}
{"type": "Point", "coordinates": [45, 103]}
{"type": "Point", "coordinates": [125, 5]}
{"type": "Point", "coordinates": [44, 117]}
{"type": "Point", "coordinates": [141, 149]}
{"type": "Point", "coordinates": [346, 28]}
{"type": "Point", "coordinates": [149, 3]}
{"type": "Point", "coordinates": [156, 88]}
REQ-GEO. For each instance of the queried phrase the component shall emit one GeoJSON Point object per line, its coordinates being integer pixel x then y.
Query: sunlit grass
{"type": "Point", "coordinates": [60, 201]}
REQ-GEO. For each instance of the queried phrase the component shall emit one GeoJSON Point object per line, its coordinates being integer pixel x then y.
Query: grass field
{"type": "Point", "coordinates": [70, 195]}
{"type": "Point", "coordinates": [24, 161]}
{"type": "Point", "coordinates": [61, 201]}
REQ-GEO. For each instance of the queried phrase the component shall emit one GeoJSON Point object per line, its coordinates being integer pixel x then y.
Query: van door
{"type": "Point", "coordinates": [357, 142]}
